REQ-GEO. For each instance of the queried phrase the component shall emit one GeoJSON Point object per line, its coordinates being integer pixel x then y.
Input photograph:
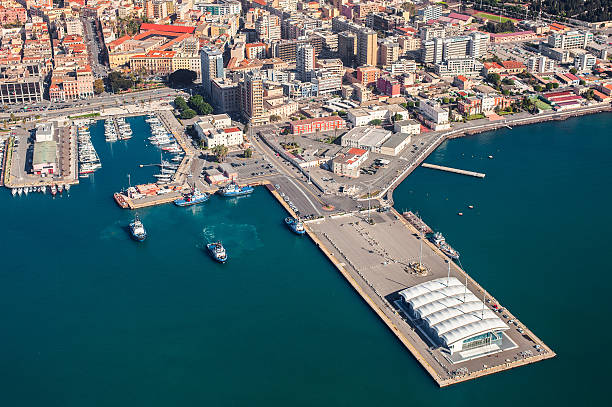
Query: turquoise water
{"type": "Point", "coordinates": [93, 318]}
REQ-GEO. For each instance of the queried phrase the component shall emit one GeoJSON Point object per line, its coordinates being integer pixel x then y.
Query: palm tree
{"type": "Point", "coordinates": [220, 152]}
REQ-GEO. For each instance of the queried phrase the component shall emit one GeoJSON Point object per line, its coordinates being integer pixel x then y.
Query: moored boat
{"type": "Point", "coordinates": [233, 189]}
{"type": "Point", "coordinates": [192, 198]}
{"type": "Point", "coordinates": [296, 225]}
{"type": "Point", "coordinates": [440, 241]}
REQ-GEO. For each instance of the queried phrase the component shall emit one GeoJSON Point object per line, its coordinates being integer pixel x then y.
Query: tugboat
{"type": "Point", "coordinates": [217, 251]}
{"type": "Point", "coordinates": [137, 230]}
{"type": "Point", "coordinates": [439, 240]}
{"type": "Point", "coordinates": [233, 189]}
{"type": "Point", "coordinates": [296, 225]}
{"type": "Point", "coordinates": [193, 198]}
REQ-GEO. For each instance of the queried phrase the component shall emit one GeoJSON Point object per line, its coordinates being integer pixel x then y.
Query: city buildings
{"type": "Point", "coordinates": [348, 162]}
{"type": "Point", "coordinates": [212, 67]}
{"type": "Point", "coordinates": [21, 83]}
{"type": "Point", "coordinates": [315, 124]}
{"type": "Point", "coordinates": [570, 40]}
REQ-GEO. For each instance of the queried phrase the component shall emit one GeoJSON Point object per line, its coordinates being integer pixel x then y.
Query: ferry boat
{"type": "Point", "coordinates": [296, 225]}
{"type": "Point", "coordinates": [193, 198]}
{"type": "Point", "coordinates": [439, 240]}
{"type": "Point", "coordinates": [233, 189]}
{"type": "Point", "coordinates": [137, 230]}
{"type": "Point", "coordinates": [217, 251]}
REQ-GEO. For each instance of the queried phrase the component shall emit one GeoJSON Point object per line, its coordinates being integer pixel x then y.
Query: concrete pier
{"type": "Point", "coordinates": [372, 251]}
{"type": "Point", "coordinates": [455, 170]}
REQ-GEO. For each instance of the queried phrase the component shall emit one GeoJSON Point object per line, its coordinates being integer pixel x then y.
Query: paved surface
{"type": "Point", "coordinates": [376, 257]}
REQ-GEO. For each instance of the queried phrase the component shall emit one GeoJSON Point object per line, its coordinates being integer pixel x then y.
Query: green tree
{"type": "Point", "coordinates": [555, 85]}
{"type": "Point", "coordinates": [274, 118]}
{"type": "Point", "coordinates": [494, 78]}
{"type": "Point", "coordinates": [375, 122]}
{"type": "Point", "coordinates": [98, 86]}
{"type": "Point", "coordinates": [445, 100]}
{"type": "Point", "coordinates": [180, 103]}
{"type": "Point", "coordinates": [582, 82]}
{"type": "Point", "coordinates": [182, 78]}
{"type": "Point", "coordinates": [188, 114]}
{"type": "Point", "coordinates": [538, 88]}
{"type": "Point", "coordinates": [397, 117]}
{"type": "Point", "coordinates": [549, 86]}
{"type": "Point", "coordinates": [220, 152]}
{"type": "Point", "coordinates": [13, 118]}
{"type": "Point", "coordinates": [573, 71]}
{"type": "Point", "coordinates": [248, 153]}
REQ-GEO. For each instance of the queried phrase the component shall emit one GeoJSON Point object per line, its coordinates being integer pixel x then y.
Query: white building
{"type": "Point", "coordinates": [540, 64]}
{"type": "Point", "coordinates": [407, 127]}
{"type": "Point", "coordinates": [348, 163]}
{"type": "Point", "coordinates": [215, 130]}
{"type": "Point", "coordinates": [362, 116]}
{"type": "Point", "coordinates": [435, 116]}
{"type": "Point", "coordinates": [366, 138]}
{"type": "Point", "coordinates": [455, 318]}
{"type": "Point", "coordinates": [584, 62]}
{"type": "Point", "coordinates": [44, 132]}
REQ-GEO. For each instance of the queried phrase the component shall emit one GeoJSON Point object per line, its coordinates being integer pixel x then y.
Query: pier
{"type": "Point", "coordinates": [373, 252]}
{"type": "Point", "coordinates": [454, 170]}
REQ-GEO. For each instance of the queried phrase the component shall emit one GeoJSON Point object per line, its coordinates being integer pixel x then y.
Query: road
{"type": "Point", "coordinates": [105, 100]}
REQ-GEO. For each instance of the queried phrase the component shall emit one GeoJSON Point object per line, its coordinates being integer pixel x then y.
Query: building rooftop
{"type": "Point", "coordinates": [44, 152]}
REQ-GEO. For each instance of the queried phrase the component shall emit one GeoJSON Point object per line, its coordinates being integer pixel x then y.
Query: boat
{"type": "Point", "coordinates": [67, 186]}
{"type": "Point", "coordinates": [192, 198]}
{"type": "Point", "coordinates": [439, 240]}
{"type": "Point", "coordinates": [14, 191]}
{"type": "Point", "coordinates": [44, 189]}
{"type": "Point", "coordinates": [217, 251]}
{"type": "Point", "coordinates": [60, 188]}
{"type": "Point", "coordinates": [20, 191]}
{"type": "Point", "coordinates": [26, 190]}
{"type": "Point", "coordinates": [137, 230]}
{"type": "Point", "coordinates": [233, 189]}
{"type": "Point", "coordinates": [296, 225]}
{"type": "Point", "coordinates": [53, 190]}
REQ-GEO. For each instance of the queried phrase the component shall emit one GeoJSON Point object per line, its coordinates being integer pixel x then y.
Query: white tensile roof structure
{"type": "Point", "coordinates": [450, 310]}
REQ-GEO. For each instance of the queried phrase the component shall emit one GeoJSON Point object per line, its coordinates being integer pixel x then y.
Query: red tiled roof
{"type": "Point", "coordinates": [357, 151]}
{"type": "Point", "coordinates": [231, 129]}
{"type": "Point", "coordinates": [458, 16]}
{"type": "Point", "coordinates": [167, 28]}
{"type": "Point", "coordinates": [513, 65]}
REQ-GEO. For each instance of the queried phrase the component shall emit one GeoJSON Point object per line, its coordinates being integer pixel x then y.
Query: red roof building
{"type": "Point", "coordinates": [315, 124]}
{"type": "Point", "coordinates": [181, 29]}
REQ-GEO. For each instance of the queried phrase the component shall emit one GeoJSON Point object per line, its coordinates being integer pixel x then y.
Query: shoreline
{"type": "Point", "coordinates": [387, 193]}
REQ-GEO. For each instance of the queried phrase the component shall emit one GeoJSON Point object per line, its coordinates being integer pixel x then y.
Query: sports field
{"type": "Point", "coordinates": [495, 18]}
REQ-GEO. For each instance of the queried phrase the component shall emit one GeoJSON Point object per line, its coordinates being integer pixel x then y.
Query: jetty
{"type": "Point", "coordinates": [375, 251]}
{"type": "Point", "coordinates": [454, 170]}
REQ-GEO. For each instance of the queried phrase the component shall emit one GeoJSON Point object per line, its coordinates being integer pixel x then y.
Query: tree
{"type": "Point", "coordinates": [197, 103]}
{"type": "Point", "coordinates": [180, 103]}
{"type": "Point", "coordinates": [555, 85]}
{"type": "Point", "coordinates": [13, 118]}
{"type": "Point", "coordinates": [508, 81]}
{"type": "Point", "coordinates": [410, 104]}
{"type": "Point", "coordinates": [582, 82]}
{"type": "Point", "coordinates": [182, 78]}
{"type": "Point", "coordinates": [494, 78]}
{"type": "Point", "coordinates": [573, 71]}
{"type": "Point", "coordinates": [275, 118]}
{"type": "Point", "coordinates": [98, 86]}
{"type": "Point", "coordinates": [220, 152]}
{"type": "Point", "coordinates": [188, 114]}
{"type": "Point", "coordinates": [538, 88]}
{"type": "Point", "coordinates": [549, 86]}
{"type": "Point", "coordinates": [397, 117]}
{"type": "Point", "coordinates": [248, 153]}
{"type": "Point", "coordinates": [445, 100]}
{"type": "Point", "coordinates": [375, 122]}
{"type": "Point", "coordinates": [118, 82]}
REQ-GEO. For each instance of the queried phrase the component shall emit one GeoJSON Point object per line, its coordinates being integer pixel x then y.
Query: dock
{"type": "Point", "coordinates": [373, 252]}
{"type": "Point", "coordinates": [454, 170]}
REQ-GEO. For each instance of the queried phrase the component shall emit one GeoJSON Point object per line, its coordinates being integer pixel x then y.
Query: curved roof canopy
{"type": "Point", "coordinates": [450, 310]}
